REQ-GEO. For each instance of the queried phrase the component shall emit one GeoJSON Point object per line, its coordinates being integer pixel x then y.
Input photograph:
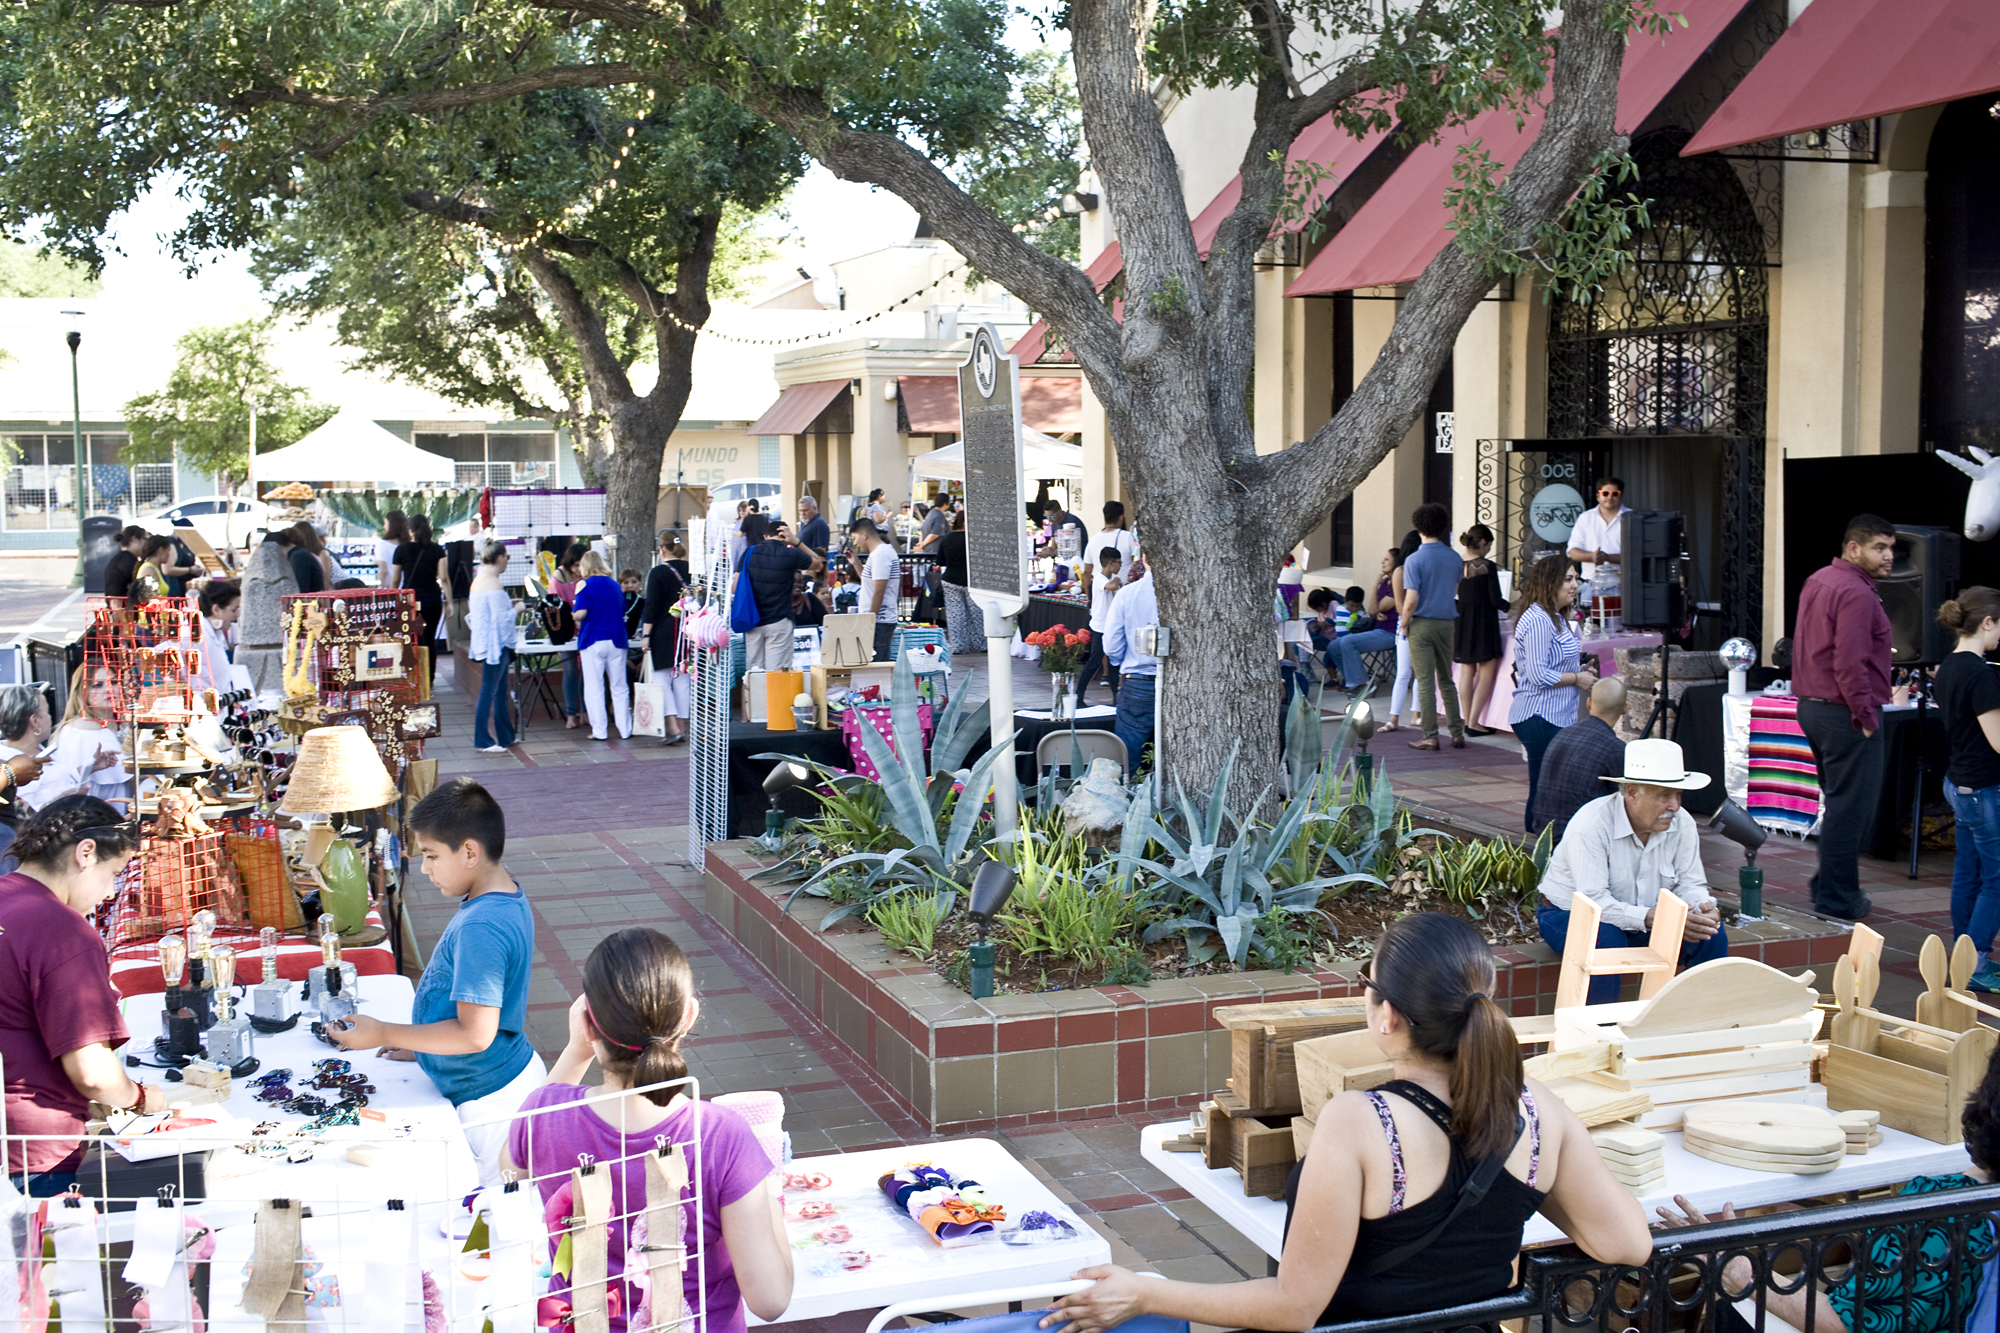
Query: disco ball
{"type": "Point", "coordinates": [1739, 654]}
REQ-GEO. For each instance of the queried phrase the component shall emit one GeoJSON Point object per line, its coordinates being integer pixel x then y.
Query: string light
{"type": "Point", "coordinates": [938, 281]}
{"type": "Point", "coordinates": [578, 211]}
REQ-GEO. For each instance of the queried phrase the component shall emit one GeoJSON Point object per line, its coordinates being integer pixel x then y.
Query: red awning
{"type": "Point", "coordinates": [931, 403]}
{"type": "Point", "coordinates": [797, 407]}
{"type": "Point", "coordinates": [1323, 141]}
{"type": "Point", "coordinates": [1402, 228]}
{"type": "Point", "coordinates": [1845, 60]}
{"type": "Point", "coordinates": [1051, 404]}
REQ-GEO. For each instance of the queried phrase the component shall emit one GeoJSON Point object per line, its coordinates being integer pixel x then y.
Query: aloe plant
{"type": "Point", "coordinates": [1227, 889]}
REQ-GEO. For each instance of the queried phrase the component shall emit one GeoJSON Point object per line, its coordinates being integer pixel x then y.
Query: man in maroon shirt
{"type": "Point", "coordinates": [1840, 672]}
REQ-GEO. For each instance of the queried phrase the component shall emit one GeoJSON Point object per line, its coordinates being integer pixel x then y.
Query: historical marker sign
{"type": "Point", "coordinates": [989, 406]}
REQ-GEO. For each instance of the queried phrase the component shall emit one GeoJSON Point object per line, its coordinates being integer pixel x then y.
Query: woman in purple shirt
{"type": "Point", "coordinates": [638, 1002]}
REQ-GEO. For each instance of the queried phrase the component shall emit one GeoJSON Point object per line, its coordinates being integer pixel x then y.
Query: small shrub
{"type": "Point", "coordinates": [909, 921]}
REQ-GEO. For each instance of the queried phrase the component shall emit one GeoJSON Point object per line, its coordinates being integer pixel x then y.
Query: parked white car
{"type": "Point", "coordinates": [221, 520]}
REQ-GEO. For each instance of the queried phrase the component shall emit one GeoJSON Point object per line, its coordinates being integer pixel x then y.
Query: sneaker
{"type": "Point", "coordinates": [1987, 979]}
{"type": "Point", "coordinates": [493, 749]}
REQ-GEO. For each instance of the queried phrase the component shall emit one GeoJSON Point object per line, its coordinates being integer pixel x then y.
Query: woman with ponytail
{"type": "Point", "coordinates": [1413, 1194]}
{"type": "Point", "coordinates": [637, 1006]}
{"type": "Point", "coordinates": [1968, 699]}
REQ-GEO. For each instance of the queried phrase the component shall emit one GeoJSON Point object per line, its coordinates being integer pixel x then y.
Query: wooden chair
{"type": "Point", "coordinates": [1582, 959]}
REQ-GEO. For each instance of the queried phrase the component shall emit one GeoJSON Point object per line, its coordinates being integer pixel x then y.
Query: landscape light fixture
{"type": "Point", "coordinates": [1079, 201]}
{"type": "Point", "coordinates": [991, 888]}
{"type": "Point", "coordinates": [781, 779]}
{"type": "Point", "coordinates": [1733, 822]}
{"type": "Point", "coordinates": [1361, 718]}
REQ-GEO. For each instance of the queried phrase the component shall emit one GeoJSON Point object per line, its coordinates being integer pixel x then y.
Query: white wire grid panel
{"type": "Point", "coordinates": [258, 1242]}
{"type": "Point", "coordinates": [708, 727]}
{"type": "Point", "coordinates": [520, 561]}
{"type": "Point", "coordinates": [548, 513]}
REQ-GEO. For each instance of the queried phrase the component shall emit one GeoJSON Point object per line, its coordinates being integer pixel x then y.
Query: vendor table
{"type": "Point", "coordinates": [534, 659]}
{"type": "Point", "coordinates": [1046, 612]}
{"type": "Point", "coordinates": [1030, 727]}
{"type": "Point", "coordinates": [747, 801]}
{"type": "Point", "coordinates": [905, 1264]}
{"type": "Point", "coordinates": [1708, 1185]}
{"type": "Point", "coordinates": [1503, 682]}
{"type": "Point", "coordinates": [135, 967]}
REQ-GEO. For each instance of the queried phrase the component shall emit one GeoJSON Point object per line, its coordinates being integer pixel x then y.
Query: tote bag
{"type": "Point", "coordinates": [649, 703]}
{"type": "Point", "coordinates": [743, 616]}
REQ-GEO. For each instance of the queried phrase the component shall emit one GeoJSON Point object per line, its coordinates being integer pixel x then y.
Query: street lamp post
{"type": "Point", "coordinates": [73, 319]}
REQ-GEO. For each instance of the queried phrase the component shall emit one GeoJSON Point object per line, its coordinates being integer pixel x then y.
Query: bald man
{"type": "Point", "coordinates": [1581, 755]}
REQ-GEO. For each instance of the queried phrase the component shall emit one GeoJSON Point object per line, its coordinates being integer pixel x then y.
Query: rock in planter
{"type": "Point", "coordinates": [1096, 806]}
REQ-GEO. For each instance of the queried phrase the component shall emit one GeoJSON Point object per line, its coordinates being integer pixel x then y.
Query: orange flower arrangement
{"type": "Point", "coordinates": [1063, 649]}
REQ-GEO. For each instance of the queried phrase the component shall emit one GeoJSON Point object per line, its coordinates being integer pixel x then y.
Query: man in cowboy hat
{"type": "Point", "coordinates": [1623, 851]}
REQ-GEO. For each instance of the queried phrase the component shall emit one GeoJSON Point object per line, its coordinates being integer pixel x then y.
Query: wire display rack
{"type": "Point", "coordinates": [547, 513]}
{"type": "Point", "coordinates": [138, 664]}
{"type": "Point", "coordinates": [351, 657]}
{"type": "Point", "coordinates": [708, 721]}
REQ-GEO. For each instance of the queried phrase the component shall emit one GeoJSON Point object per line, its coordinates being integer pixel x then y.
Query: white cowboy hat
{"type": "Point", "coordinates": [1658, 763]}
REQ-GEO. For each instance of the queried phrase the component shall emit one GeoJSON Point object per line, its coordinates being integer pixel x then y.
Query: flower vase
{"type": "Point", "coordinates": [1062, 696]}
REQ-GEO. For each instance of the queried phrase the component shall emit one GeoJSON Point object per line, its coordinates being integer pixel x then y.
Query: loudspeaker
{"type": "Point", "coordinates": [1655, 543]}
{"type": "Point", "coordinates": [1923, 577]}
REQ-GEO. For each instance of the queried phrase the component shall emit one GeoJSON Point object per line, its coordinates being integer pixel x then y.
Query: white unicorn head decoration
{"type": "Point", "coordinates": [1982, 502]}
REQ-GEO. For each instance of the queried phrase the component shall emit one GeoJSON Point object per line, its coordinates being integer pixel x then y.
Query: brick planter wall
{"type": "Point", "coordinates": [962, 1065]}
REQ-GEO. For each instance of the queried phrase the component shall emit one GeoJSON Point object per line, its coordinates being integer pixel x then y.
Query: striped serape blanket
{"type": "Point", "coordinates": [1784, 780]}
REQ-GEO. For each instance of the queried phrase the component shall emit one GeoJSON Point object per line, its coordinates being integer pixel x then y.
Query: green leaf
{"type": "Point", "coordinates": [908, 808]}
{"type": "Point", "coordinates": [971, 801]}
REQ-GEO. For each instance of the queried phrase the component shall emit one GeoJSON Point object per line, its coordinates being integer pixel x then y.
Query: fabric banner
{"type": "Point", "coordinates": [1784, 779]}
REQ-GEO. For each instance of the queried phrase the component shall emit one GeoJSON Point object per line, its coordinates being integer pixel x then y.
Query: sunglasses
{"type": "Point", "coordinates": [1608, 491]}
{"type": "Point", "coordinates": [1368, 980]}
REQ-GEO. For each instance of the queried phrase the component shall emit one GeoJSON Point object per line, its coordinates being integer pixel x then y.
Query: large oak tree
{"type": "Point", "coordinates": [1172, 365]}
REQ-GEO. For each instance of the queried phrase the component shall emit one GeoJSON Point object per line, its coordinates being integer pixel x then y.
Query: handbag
{"type": "Point", "coordinates": [558, 622]}
{"type": "Point", "coordinates": [649, 703]}
{"type": "Point", "coordinates": [743, 616]}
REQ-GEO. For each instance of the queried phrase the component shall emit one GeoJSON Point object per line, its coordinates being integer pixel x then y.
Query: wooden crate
{"type": "Point", "coordinates": [1302, 1136]}
{"type": "Point", "coordinates": [1343, 1062]}
{"type": "Point", "coordinates": [1262, 1073]}
{"type": "Point", "coordinates": [822, 678]}
{"type": "Point", "coordinates": [1256, 1147]}
{"type": "Point", "coordinates": [1918, 1088]}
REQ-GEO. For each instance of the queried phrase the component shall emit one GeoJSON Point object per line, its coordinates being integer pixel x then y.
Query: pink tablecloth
{"type": "Point", "coordinates": [1503, 686]}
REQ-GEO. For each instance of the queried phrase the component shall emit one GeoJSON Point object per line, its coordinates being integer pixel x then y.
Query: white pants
{"type": "Point", "coordinates": [768, 647]}
{"type": "Point", "coordinates": [1400, 695]}
{"type": "Point", "coordinates": [486, 1119]}
{"type": "Point", "coordinates": [674, 691]}
{"type": "Point", "coordinates": [603, 663]}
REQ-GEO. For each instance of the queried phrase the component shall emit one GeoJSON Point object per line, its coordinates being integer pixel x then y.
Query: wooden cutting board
{"type": "Point", "coordinates": [1725, 993]}
{"type": "Point", "coordinates": [1596, 1104]}
{"type": "Point", "coordinates": [1797, 1166]}
{"type": "Point", "coordinates": [1762, 1128]}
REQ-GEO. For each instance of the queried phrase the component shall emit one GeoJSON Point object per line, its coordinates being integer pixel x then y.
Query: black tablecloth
{"type": "Point", "coordinates": [1699, 731]}
{"type": "Point", "coordinates": [1028, 733]}
{"type": "Point", "coordinates": [1046, 612]}
{"type": "Point", "coordinates": [747, 801]}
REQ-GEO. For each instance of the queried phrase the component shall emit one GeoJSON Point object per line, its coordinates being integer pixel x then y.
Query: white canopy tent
{"type": "Point", "coordinates": [1048, 459]}
{"type": "Point", "coordinates": [351, 447]}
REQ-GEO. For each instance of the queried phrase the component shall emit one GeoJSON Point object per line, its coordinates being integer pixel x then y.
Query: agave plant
{"type": "Point", "coordinates": [933, 807]}
{"type": "Point", "coordinates": [365, 508]}
{"type": "Point", "coordinates": [1225, 889]}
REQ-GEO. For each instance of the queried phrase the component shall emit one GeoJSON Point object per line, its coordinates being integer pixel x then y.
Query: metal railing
{"type": "Point", "coordinates": [1914, 1262]}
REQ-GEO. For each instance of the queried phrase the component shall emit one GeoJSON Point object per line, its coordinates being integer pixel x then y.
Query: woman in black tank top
{"type": "Point", "coordinates": [1414, 1194]}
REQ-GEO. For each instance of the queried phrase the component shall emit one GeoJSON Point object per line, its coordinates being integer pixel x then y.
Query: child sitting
{"type": "Point", "coordinates": [1356, 611]}
{"type": "Point", "coordinates": [1325, 624]}
{"type": "Point", "coordinates": [638, 1002]}
{"type": "Point", "coordinates": [470, 1016]}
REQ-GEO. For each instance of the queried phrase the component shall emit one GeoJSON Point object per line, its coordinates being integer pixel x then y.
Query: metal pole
{"type": "Point", "coordinates": [1000, 668]}
{"type": "Point", "coordinates": [75, 339]}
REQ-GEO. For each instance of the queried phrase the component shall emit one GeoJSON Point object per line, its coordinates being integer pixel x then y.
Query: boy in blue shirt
{"type": "Point", "coordinates": [470, 1015]}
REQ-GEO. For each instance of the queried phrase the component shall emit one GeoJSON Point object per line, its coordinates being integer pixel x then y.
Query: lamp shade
{"type": "Point", "coordinates": [337, 770]}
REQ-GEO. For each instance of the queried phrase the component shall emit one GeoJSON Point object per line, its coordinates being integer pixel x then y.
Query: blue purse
{"type": "Point", "coordinates": [743, 616]}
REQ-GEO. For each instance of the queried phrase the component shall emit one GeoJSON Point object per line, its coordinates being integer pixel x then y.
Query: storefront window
{"type": "Point", "coordinates": [41, 483]}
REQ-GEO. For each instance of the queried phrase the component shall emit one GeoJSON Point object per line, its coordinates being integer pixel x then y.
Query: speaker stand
{"type": "Point", "coordinates": [1664, 706]}
{"type": "Point", "coordinates": [1920, 687]}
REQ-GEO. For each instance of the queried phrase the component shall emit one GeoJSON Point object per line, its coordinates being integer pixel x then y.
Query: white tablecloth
{"type": "Point", "coordinates": [1708, 1185]}
{"type": "Point", "coordinates": [905, 1263]}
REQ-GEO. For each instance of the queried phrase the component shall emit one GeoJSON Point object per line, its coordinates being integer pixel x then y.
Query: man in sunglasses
{"type": "Point", "coordinates": [1599, 537]}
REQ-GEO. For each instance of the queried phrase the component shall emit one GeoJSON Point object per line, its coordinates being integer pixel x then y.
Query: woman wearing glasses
{"type": "Point", "coordinates": [1414, 1194]}
{"type": "Point", "coordinates": [59, 1020]}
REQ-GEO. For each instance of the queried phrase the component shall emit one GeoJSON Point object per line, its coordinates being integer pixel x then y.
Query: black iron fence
{"type": "Point", "coordinates": [1913, 1263]}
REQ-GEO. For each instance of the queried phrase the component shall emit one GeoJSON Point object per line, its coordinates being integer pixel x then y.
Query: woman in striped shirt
{"type": "Point", "coordinates": [1548, 663]}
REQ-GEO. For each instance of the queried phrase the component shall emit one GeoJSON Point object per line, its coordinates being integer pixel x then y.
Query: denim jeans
{"type": "Point", "coordinates": [1353, 672]}
{"type": "Point", "coordinates": [1134, 723]}
{"type": "Point", "coordinates": [1534, 732]}
{"type": "Point", "coordinates": [573, 684]}
{"type": "Point", "coordinates": [494, 704]}
{"type": "Point", "coordinates": [1553, 922]}
{"type": "Point", "coordinates": [1975, 876]}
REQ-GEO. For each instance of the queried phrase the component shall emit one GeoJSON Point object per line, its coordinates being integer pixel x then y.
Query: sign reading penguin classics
{"type": "Point", "coordinates": [989, 404]}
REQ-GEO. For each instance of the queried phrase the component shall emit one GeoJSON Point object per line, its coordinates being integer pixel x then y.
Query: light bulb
{"type": "Point", "coordinates": [199, 932]}
{"type": "Point", "coordinates": [268, 937]}
{"type": "Point", "coordinates": [329, 942]}
{"type": "Point", "coordinates": [173, 960]}
{"type": "Point", "coordinates": [223, 960]}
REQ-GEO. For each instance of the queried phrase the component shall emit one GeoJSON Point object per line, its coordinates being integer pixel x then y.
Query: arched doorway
{"type": "Point", "coordinates": [1961, 388]}
{"type": "Point", "coordinates": [1664, 373]}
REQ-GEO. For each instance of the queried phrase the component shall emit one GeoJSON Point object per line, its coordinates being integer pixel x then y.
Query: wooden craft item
{"type": "Point", "coordinates": [1860, 1147]}
{"type": "Point", "coordinates": [1262, 1037]}
{"type": "Point", "coordinates": [1868, 980]}
{"type": "Point", "coordinates": [1863, 942]}
{"type": "Point", "coordinates": [1534, 1029]}
{"type": "Point", "coordinates": [1932, 967]}
{"type": "Point", "coordinates": [1964, 962]}
{"type": "Point", "coordinates": [1596, 1104]}
{"type": "Point", "coordinates": [1258, 1148]}
{"type": "Point", "coordinates": [1756, 1128]}
{"type": "Point", "coordinates": [1641, 1185]}
{"type": "Point", "coordinates": [1654, 961]}
{"type": "Point", "coordinates": [847, 640]}
{"type": "Point", "coordinates": [1571, 1063]}
{"type": "Point", "coordinates": [1302, 1136]}
{"type": "Point", "coordinates": [1857, 1122]}
{"type": "Point", "coordinates": [1343, 1062]}
{"type": "Point", "coordinates": [1720, 995]}
{"type": "Point", "coordinates": [1796, 1166]}
{"type": "Point", "coordinates": [1628, 1140]}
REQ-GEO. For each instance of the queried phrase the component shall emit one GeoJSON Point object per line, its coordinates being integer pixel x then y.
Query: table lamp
{"type": "Point", "coordinates": [991, 888]}
{"type": "Point", "coordinates": [229, 1039]}
{"type": "Point", "coordinates": [197, 995]}
{"type": "Point", "coordinates": [1733, 822]}
{"type": "Point", "coordinates": [178, 1023]}
{"type": "Point", "coordinates": [268, 999]}
{"type": "Point", "coordinates": [337, 771]}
